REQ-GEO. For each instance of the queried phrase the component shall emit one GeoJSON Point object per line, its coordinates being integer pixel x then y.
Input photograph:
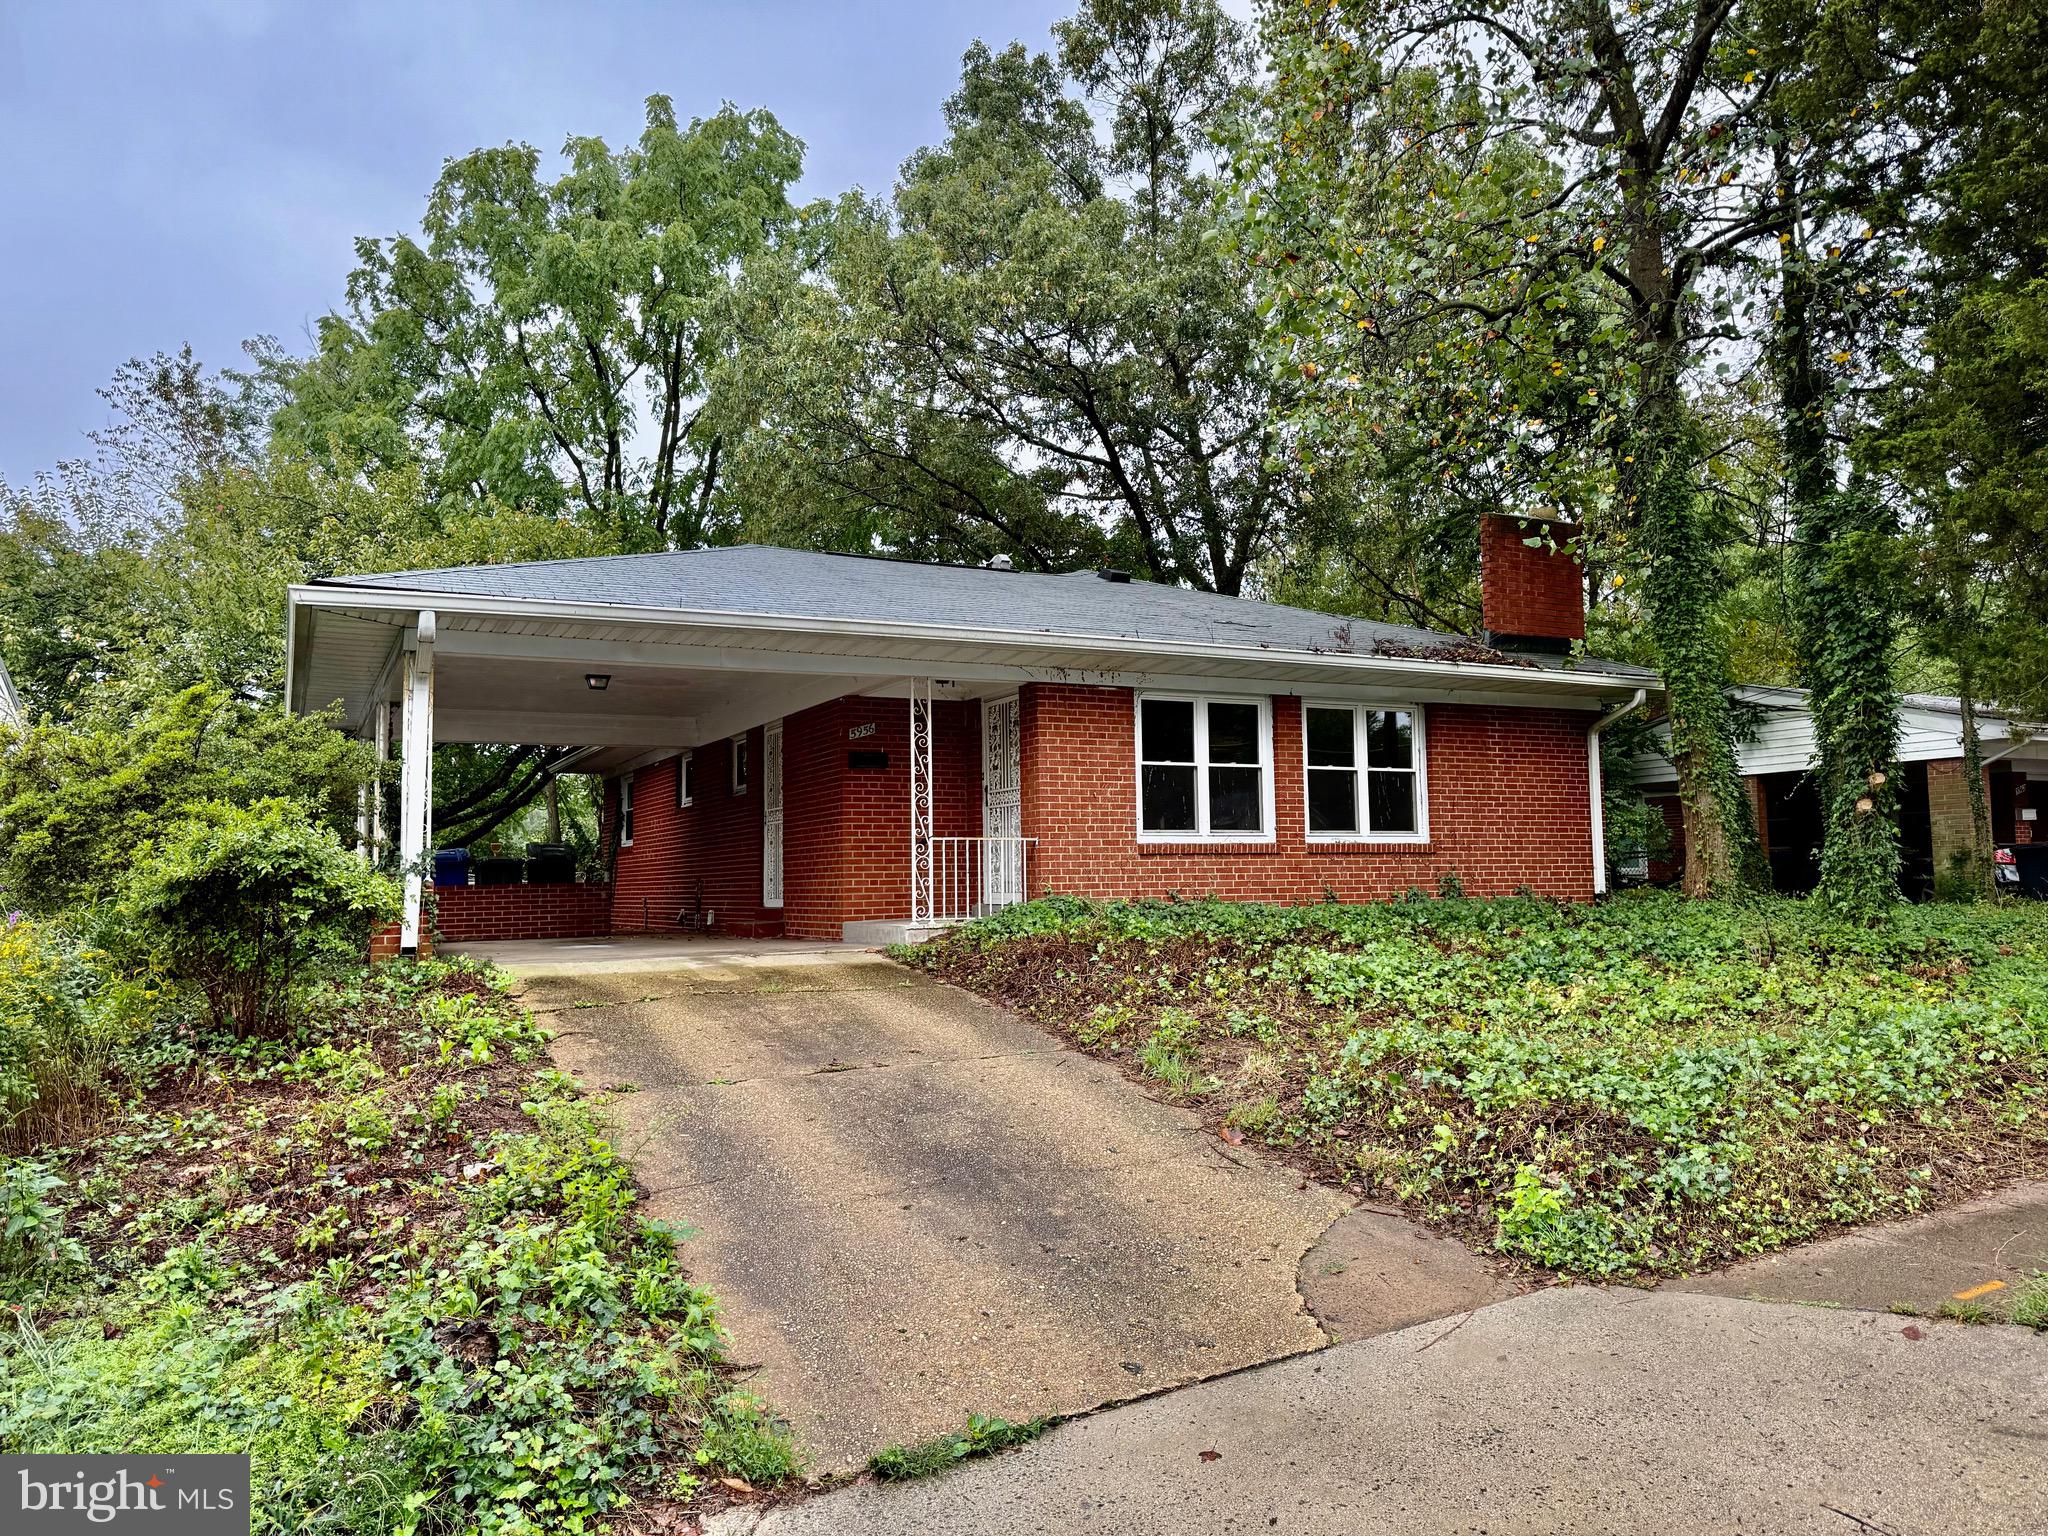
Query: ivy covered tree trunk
{"type": "Point", "coordinates": [1841, 591]}
{"type": "Point", "coordinates": [1683, 583]}
{"type": "Point", "coordinates": [1843, 574]}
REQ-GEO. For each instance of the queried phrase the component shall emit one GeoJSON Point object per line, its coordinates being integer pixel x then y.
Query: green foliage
{"type": "Point", "coordinates": [60, 1029]}
{"type": "Point", "coordinates": [82, 802]}
{"type": "Point", "coordinates": [32, 1240]}
{"type": "Point", "coordinates": [242, 903]}
{"type": "Point", "coordinates": [1643, 1086]}
{"type": "Point", "coordinates": [292, 1385]}
{"type": "Point", "coordinates": [420, 1308]}
{"type": "Point", "coordinates": [984, 1435]}
{"type": "Point", "coordinates": [1684, 579]}
{"type": "Point", "coordinates": [1036, 348]}
{"type": "Point", "coordinates": [1846, 570]}
{"type": "Point", "coordinates": [544, 344]}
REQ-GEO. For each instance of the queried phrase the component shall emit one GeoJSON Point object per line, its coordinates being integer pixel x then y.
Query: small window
{"type": "Point", "coordinates": [626, 811]}
{"type": "Point", "coordinates": [1364, 770]}
{"type": "Point", "coordinates": [741, 767]}
{"type": "Point", "coordinates": [1204, 769]}
{"type": "Point", "coordinates": [686, 779]}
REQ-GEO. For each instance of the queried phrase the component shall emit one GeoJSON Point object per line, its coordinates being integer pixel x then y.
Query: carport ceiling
{"type": "Point", "coordinates": [551, 703]}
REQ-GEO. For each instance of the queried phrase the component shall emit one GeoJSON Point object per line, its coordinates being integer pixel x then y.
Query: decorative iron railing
{"type": "Point", "coordinates": [974, 876]}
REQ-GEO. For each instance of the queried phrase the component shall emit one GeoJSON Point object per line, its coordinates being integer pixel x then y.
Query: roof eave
{"type": "Point", "coordinates": [303, 599]}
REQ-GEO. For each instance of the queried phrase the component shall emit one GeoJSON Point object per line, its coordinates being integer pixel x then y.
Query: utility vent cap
{"type": "Point", "coordinates": [1109, 573]}
{"type": "Point", "coordinates": [1002, 563]}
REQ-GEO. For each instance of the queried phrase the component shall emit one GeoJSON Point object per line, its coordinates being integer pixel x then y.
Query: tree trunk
{"type": "Point", "coordinates": [1683, 583]}
{"type": "Point", "coordinates": [1842, 614]}
{"type": "Point", "coordinates": [1980, 873]}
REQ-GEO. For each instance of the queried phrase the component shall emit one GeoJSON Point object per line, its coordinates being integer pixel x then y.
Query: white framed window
{"type": "Point", "coordinates": [686, 780]}
{"type": "Point", "coordinates": [1205, 768]}
{"type": "Point", "coordinates": [626, 810]}
{"type": "Point", "coordinates": [1366, 780]}
{"type": "Point", "coordinates": [742, 769]}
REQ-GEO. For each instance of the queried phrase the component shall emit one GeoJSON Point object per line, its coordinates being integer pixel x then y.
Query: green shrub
{"type": "Point", "coordinates": [242, 903]}
{"type": "Point", "coordinates": [58, 1031]}
{"type": "Point", "coordinates": [79, 801]}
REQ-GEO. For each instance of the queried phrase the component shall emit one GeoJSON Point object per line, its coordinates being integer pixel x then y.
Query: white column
{"type": "Point", "coordinates": [920, 800]}
{"type": "Point", "coordinates": [416, 780]}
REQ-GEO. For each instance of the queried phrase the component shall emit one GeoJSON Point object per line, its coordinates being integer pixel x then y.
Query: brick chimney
{"type": "Point", "coordinates": [1531, 599]}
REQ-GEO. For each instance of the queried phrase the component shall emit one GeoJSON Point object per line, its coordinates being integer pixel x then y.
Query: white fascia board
{"type": "Point", "coordinates": [1449, 676]}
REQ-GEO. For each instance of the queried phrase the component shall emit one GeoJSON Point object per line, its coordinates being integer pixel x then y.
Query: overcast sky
{"type": "Point", "coordinates": [195, 171]}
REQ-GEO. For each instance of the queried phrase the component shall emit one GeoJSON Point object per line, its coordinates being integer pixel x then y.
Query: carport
{"type": "Point", "coordinates": [626, 688]}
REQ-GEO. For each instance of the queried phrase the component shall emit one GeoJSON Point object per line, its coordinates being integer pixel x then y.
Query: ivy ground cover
{"type": "Point", "coordinates": [391, 1256]}
{"type": "Point", "coordinates": [1644, 1086]}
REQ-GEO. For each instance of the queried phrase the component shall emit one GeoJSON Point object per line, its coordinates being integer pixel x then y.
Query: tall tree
{"type": "Point", "coordinates": [546, 341]}
{"type": "Point", "coordinates": [1036, 347]}
{"type": "Point", "coordinates": [1534, 217]}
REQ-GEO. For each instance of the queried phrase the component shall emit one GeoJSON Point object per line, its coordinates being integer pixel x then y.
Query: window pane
{"type": "Point", "coordinates": [1168, 734]}
{"type": "Point", "coordinates": [1390, 799]}
{"type": "Point", "coordinates": [1233, 733]}
{"type": "Point", "coordinates": [1390, 739]}
{"type": "Point", "coordinates": [1332, 800]}
{"type": "Point", "coordinates": [1234, 799]}
{"type": "Point", "coordinates": [1169, 795]}
{"type": "Point", "coordinates": [1329, 739]}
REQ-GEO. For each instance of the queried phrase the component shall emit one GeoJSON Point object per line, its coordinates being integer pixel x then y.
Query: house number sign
{"type": "Point", "coordinates": [860, 732]}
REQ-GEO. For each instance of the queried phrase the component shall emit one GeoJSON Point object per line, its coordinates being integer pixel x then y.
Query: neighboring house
{"type": "Point", "coordinates": [1777, 757]}
{"type": "Point", "coordinates": [827, 745]}
{"type": "Point", "coordinates": [11, 710]}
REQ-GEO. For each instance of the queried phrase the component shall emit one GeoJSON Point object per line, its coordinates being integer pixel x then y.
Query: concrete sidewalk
{"type": "Point", "coordinates": [1982, 1254]}
{"type": "Point", "coordinates": [1585, 1411]}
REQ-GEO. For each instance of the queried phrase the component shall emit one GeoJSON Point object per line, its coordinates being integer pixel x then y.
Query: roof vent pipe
{"type": "Point", "coordinates": [1108, 573]}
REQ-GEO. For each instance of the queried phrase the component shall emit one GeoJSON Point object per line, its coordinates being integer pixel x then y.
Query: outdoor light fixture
{"type": "Point", "coordinates": [599, 681]}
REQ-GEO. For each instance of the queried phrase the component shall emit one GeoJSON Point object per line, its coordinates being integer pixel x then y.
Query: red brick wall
{"type": "Point", "coordinates": [712, 847]}
{"type": "Point", "coordinates": [466, 914]}
{"type": "Point", "coordinates": [846, 832]}
{"type": "Point", "coordinates": [1531, 592]}
{"type": "Point", "coordinates": [875, 874]}
{"type": "Point", "coordinates": [1507, 808]}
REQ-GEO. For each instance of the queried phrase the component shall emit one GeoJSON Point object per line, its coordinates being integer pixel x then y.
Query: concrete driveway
{"type": "Point", "coordinates": [915, 1206]}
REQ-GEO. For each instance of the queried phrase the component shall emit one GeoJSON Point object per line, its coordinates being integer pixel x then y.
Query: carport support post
{"type": "Point", "coordinates": [416, 776]}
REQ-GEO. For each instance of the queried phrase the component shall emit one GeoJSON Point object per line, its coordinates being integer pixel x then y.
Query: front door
{"type": "Point", "coordinates": [1002, 816]}
{"type": "Point", "coordinates": [771, 815]}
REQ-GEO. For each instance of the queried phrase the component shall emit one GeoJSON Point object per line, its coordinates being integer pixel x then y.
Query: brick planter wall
{"type": "Point", "coordinates": [1507, 808]}
{"type": "Point", "coordinates": [475, 914]}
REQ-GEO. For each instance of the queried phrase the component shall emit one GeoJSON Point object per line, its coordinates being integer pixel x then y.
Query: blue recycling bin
{"type": "Point", "coordinates": [451, 866]}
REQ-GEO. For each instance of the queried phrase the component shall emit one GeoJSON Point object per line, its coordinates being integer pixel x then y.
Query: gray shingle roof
{"type": "Point", "coordinates": [755, 579]}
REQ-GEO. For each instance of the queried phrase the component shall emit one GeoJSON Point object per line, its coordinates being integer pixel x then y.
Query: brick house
{"type": "Point", "coordinates": [1776, 758]}
{"type": "Point", "coordinates": [827, 746]}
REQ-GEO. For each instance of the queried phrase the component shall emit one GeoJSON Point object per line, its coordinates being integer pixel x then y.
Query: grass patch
{"type": "Point", "coordinates": [1643, 1086]}
{"type": "Point", "coordinates": [393, 1257]}
{"type": "Point", "coordinates": [2030, 1303]}
{"type": "Point", "coordinates": [983, 1437]}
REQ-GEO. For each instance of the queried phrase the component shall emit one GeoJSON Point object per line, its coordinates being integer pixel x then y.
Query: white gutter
{"type": "Point", "coordinates": [447, 604]}
{"type": "Point", "coordinates": [1595, 788]}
